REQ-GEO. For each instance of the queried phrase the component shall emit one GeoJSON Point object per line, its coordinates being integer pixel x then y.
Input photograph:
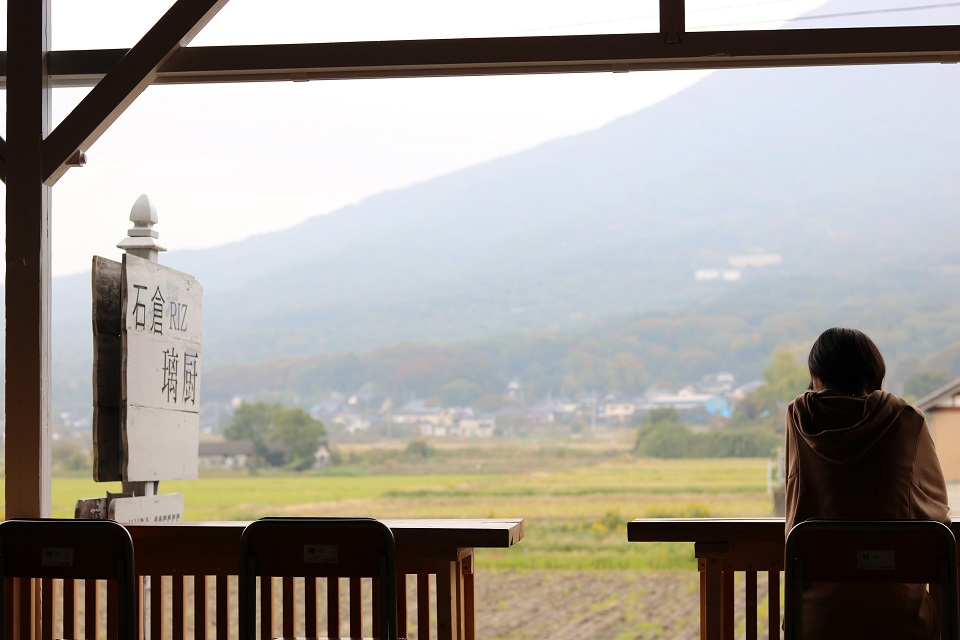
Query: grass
{"type": "Point", "coordinates": [575, 505]}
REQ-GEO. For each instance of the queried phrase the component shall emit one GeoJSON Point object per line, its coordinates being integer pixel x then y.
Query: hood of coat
{"type": "Point", "coordinates": [843, 429]}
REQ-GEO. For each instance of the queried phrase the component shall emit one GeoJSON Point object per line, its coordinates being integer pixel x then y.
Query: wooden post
{"type": "Point", "coordinates": [28, 279]}
{"type": "Point", "coordinates": [672, 21]}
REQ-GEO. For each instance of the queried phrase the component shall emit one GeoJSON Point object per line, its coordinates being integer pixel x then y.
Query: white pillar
{"type": "Point", "coordinates": [141, 241]}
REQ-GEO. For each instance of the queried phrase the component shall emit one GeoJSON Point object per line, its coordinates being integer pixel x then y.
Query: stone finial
{"type": "Point", "coordinates": [141, 240]}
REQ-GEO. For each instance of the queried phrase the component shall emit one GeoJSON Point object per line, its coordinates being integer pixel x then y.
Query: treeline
{"type": "Point", "coordinates": [626, 355]}
{"type": "Point", "coordinates": [626, 358]}
{"type": "Point", "coordinates": [678, 441]}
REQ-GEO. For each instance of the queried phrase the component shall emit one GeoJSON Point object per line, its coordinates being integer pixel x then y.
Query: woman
{"type": "Point", "coordinates": [855, 452]}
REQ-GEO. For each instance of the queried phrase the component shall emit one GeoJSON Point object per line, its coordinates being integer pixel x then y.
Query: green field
{"type": "Point", "coordinates": [575, 502]}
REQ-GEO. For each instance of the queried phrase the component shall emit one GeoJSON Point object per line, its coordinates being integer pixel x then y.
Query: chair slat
{"type": "Point", "coordinates": [289, 612]}
{"type": "Point", "coordinates": [91, 618]}
{"type": "Point", "coordinates": [266, 608]}
{"type": "Point", "coordinates": [201, 607]}
{"type": "Point", "coordinates": [310, 628]}
{"type": "Point", "coordinates": [750, 588]}
{"type": "Point", "coordinates": [423, 606]}
{"type": "Point", "coordinates": [773, 604]}
{"type": "Point", "coordinates": [179, 601]}
{"type": "Point", "coordinates": [223, 607]}
{"type": "Point", "coordinates": [157, 605]}
{"type": "Point", "coordinates": [112, 607]}
{"type": "Point", "coordinates": [24, 596]}
{"type": "Point", "coordinates": [70, 608]}
{"type": "Point", "coordinates": [356, 609]}
{"type": "Point", "coordinates": [333, 607]}
{"type": "Point", "coordinates": [48, 613]}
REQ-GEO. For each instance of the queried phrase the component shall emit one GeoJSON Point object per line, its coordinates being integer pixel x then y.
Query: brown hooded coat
{"type": "Point", "coordinates": [863, 458]}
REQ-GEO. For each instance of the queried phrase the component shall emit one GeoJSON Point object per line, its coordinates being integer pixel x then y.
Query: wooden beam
{"type": "Point", "coordinates": [673, 21]}
{"type": "Point", "coordinates": [3, 160]}
{"type": "Point", "coordinates": [122, 84]}
{"type": "Point", "coordinates": [28, 279]}
{"type": "Point", "coordinates": [528, 55]}
{"type": "Point", "coordinates": [563, 54]}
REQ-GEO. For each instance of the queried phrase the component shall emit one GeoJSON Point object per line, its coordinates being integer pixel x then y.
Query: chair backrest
{"type": "Point", "coordinates": [312, 549]}
{"type": "Point", "coordinates": [843, 551]}
{"type": "Point", "coordinates": [72, 550]}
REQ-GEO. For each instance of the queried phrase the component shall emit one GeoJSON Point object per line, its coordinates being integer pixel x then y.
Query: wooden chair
{"type": "Point", "coordinates": [315, 548]}
{"type": "Point", "coordinates": [63, 554]}
{"type": "Point", "coordinates": [870, 552]}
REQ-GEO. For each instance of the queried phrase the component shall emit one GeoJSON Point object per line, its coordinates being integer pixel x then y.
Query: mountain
{"type": "Point", "coordinates": [834, 169]}
{"type": "Point", "coordinates": [847, 173]}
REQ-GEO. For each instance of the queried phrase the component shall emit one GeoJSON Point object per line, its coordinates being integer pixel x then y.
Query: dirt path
{"type": "Point", "coordinates": [515, 605]}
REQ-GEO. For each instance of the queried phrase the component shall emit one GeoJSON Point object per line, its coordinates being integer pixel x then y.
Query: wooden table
{"type": "Point", "coordinates": [444, 548]}
{"type": "Point", "coordinates": [722, 547]}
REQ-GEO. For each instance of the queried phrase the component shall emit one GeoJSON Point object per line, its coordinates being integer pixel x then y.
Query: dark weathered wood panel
{"type": "Point", "coordinates": [107, 361]}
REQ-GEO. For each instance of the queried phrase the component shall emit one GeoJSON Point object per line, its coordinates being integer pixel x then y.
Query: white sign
{"type": "Point", "coordinates": [160, 382]}
{"type": "Point", "coordinates": [167, 507]}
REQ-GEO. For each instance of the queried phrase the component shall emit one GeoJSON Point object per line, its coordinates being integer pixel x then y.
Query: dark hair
{"type": "Point", "coordinates": [846, 360]}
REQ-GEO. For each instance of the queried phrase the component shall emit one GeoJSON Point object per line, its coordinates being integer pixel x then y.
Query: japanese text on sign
{"type": "Point", "coordinates": [161, 373]}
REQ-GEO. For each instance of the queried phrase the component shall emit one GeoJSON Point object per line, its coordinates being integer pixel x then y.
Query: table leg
{"type": "Point", "coordinates": [727, 612]}
{"type": "Point", "coordinates": [712, 599]}
{"type": "Point", "coordinates": [469, 598]}
{"type": "Point", "coordinates": [713, 585]}
{"type": "Point", "coordinates": [448, 609]}
{"type": "Point", "coordinates": [703, 601]}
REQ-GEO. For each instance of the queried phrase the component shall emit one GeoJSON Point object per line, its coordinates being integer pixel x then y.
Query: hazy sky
{"type": "Point", "coordinates": [224, 162]}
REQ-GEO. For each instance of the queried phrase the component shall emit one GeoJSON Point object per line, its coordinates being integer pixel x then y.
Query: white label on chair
{"type": "Point", "coordinates": [56, 557]}
{"type": "Point", "coordinates": [326, 553]}
{"type": "Point", "coordinates": [876, 560]}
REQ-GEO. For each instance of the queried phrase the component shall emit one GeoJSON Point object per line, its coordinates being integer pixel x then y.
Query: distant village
{"type": "Point", "coordinates": [356, 418]}
{"type": "Point", "coordinates": [351, 417]}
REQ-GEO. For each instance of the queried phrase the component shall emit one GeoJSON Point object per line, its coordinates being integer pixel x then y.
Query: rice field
{"type": "Point", "coordinates": [575, 503]}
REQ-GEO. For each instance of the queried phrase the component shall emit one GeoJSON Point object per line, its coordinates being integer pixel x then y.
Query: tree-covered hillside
{"type": "Point", "coordinates": [914, 323]}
